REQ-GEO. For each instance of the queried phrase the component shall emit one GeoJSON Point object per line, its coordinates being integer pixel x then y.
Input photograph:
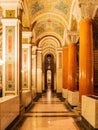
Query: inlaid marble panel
{"type": "Point", "coordinates": [10, 58]}
{"type": "Point", "coordinates": [73, 98]}
{"type": "Point", "coordinates": [90, 110]}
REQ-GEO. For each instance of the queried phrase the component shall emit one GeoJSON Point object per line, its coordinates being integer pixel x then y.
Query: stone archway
{"type": "Point", "coordinates": [49, 69]}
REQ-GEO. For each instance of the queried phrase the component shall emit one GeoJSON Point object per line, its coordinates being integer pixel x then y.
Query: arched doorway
{"type": "Point", "coordinates": [49, 68]}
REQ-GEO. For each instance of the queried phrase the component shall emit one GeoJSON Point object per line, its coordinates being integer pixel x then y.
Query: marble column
{"type": "Point", "coordinates": [39, 70]}
{"type": "Point", "coordinates": [26, 60]}
{"type": "Point", "coordinates": [72, 67]}
{"type": "Point", "coordinates": [73, 94]}
{"type": "Point", "coordinates": [65, 71]}
{"type": "Point", "coordinates": [26, 68]}
{"type": "Point", "coordinates": [86, 58]}
{"type": "Point", "coordinates": [59, 70]}
{"type": "Point", "coordinates": [34, 71]}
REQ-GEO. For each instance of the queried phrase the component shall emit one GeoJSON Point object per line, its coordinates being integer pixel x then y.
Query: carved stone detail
{"type": "Point", "coordinates": [82, 9]}
{"type": "Point", "coordinates": [72, 37]}
{"type": "Point", "coordinates": [87, 10]}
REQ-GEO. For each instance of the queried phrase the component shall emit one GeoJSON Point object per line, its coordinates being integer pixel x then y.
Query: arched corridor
{"type": "Point", "coordinates": [49, 69]}
{"type": "Point", "coordinates": [49, 64]}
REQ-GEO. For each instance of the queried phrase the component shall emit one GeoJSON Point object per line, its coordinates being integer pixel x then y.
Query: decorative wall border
{"type": "Point", "coordinates": [10, 58]}
{"type": "Point", "coordinates": [25, 68]}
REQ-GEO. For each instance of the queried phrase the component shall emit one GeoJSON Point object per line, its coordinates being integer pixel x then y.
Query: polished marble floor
{"type": "Point", "coordinates": [50, 113]}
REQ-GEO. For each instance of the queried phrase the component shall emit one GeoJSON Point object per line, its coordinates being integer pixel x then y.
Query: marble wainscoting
{"type": "Point", "coordinates": [33, 93]}
{"type": "Point", "coordinates": [9, 110]}
{"type": "Point", "coordinates": [73, 98]}
{"type": "Point", "coordinates": [26, 98]}
{"type": "Point", "coordinates": [90, 110]}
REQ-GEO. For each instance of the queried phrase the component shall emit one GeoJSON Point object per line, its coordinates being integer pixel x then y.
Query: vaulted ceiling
{"type": "Point", "coordinates": [53, 18]}
{"type": "Point", "coordinates": [43, 9]}
{"type": "Point", "coordinates": [47, 17]}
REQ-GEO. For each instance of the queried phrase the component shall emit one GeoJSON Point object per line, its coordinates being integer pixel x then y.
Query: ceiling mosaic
{"type": "Point", "coordinates": [40, 7]}
{"type": "Point", "coordinates": [47, 17]}
{"type": "Point", "coordinates": [49, 25]}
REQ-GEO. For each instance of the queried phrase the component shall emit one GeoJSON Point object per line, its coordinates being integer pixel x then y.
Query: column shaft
{"type": "Point", "coordinates": [39, 71]}
{"type": "Point", "coordinates": [59, 70]}
{"type": "Point", "coordinates": [86, 58]}
{"type": "Point", "coordinates": [72, 64]}
{"type": "Point", "coordinates": [65, 68]}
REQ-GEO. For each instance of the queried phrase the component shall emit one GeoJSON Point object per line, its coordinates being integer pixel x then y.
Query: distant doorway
{"type": "Point", "coordinates": [49, 71]}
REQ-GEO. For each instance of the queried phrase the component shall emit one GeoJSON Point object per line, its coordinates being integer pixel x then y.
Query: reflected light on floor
{"type": "Point", "coordinates": [49, 93]}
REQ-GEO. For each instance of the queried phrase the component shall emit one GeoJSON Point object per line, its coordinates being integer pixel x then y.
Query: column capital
{"type": "Point", "coordinates": [82, 9]}
{"type": "Point", "coordinates": [10, 8]}
{"type": "Point", "coordinates": [39, 50]}
{"type": "Point", "coordinates": [10, 22]}
{"type": "Point", "coordinates": [34, 48]}
{"type": "Point", "coordinates": [87, 8]}
{"type": "Point", "coordinates": [27, 33]}
{"type": "Point", "coordinates": [65, 46]}
{"type": "Point", "coordinates": [59, 49]}
{"type": "Point", "coordinates": [26, 45]}
{"type": "Point", "coordinates": [26, 37]}
{"type": "Point", "coordinates": [14, 3]}
{"type": "Point", "coordinates": [72, 37]}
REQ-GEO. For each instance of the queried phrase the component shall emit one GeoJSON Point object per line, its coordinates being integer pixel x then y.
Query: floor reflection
{"type": "Point", "coordinates": [50, 113]}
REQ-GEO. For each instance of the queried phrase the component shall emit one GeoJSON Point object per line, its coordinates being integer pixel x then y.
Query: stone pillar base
{"type": "Point", "coordinates": [73, 98]}
{"type": "Point", "coordinates": [26, 98]}
{"type": "Point", "coordinates": [64, 93]}
{"type": "Point", "coordinates": [90, 110]}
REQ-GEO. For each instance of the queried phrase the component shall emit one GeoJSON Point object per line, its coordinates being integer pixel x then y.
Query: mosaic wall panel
{"type": "Point", "coordinates": [10, 58]}
{"type": "Point", "coordinates": [60, 60]}
{"type": "Point", "coordinates": [49, 25]}
{"type": "Point", "coordinates": [25, 68]}
{"type": "Point", "coordinates": [10, 13]}
{"type": "Point", "coordinates": [62, 7]}
{"type": "Point", "coordinates": [37, 6]}
{"type": "Point", "coordinates": [24, 40]}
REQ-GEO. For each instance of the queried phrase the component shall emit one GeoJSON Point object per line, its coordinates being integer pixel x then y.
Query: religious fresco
{"type": "Point", "coordinates": [10, 59]}
{"type": "Point", "coordinates": [40, 29]}
{"type": "Point", "coordinates": [49, 25]}
{"type": "Point", "coordinates": [49, 15]}
{"type": "Point", "coordinates": [36, 7]}
{"type": "Point", "coordinates": [40, 7]}
{"type": "Point", "coordinates": [62, 7]}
